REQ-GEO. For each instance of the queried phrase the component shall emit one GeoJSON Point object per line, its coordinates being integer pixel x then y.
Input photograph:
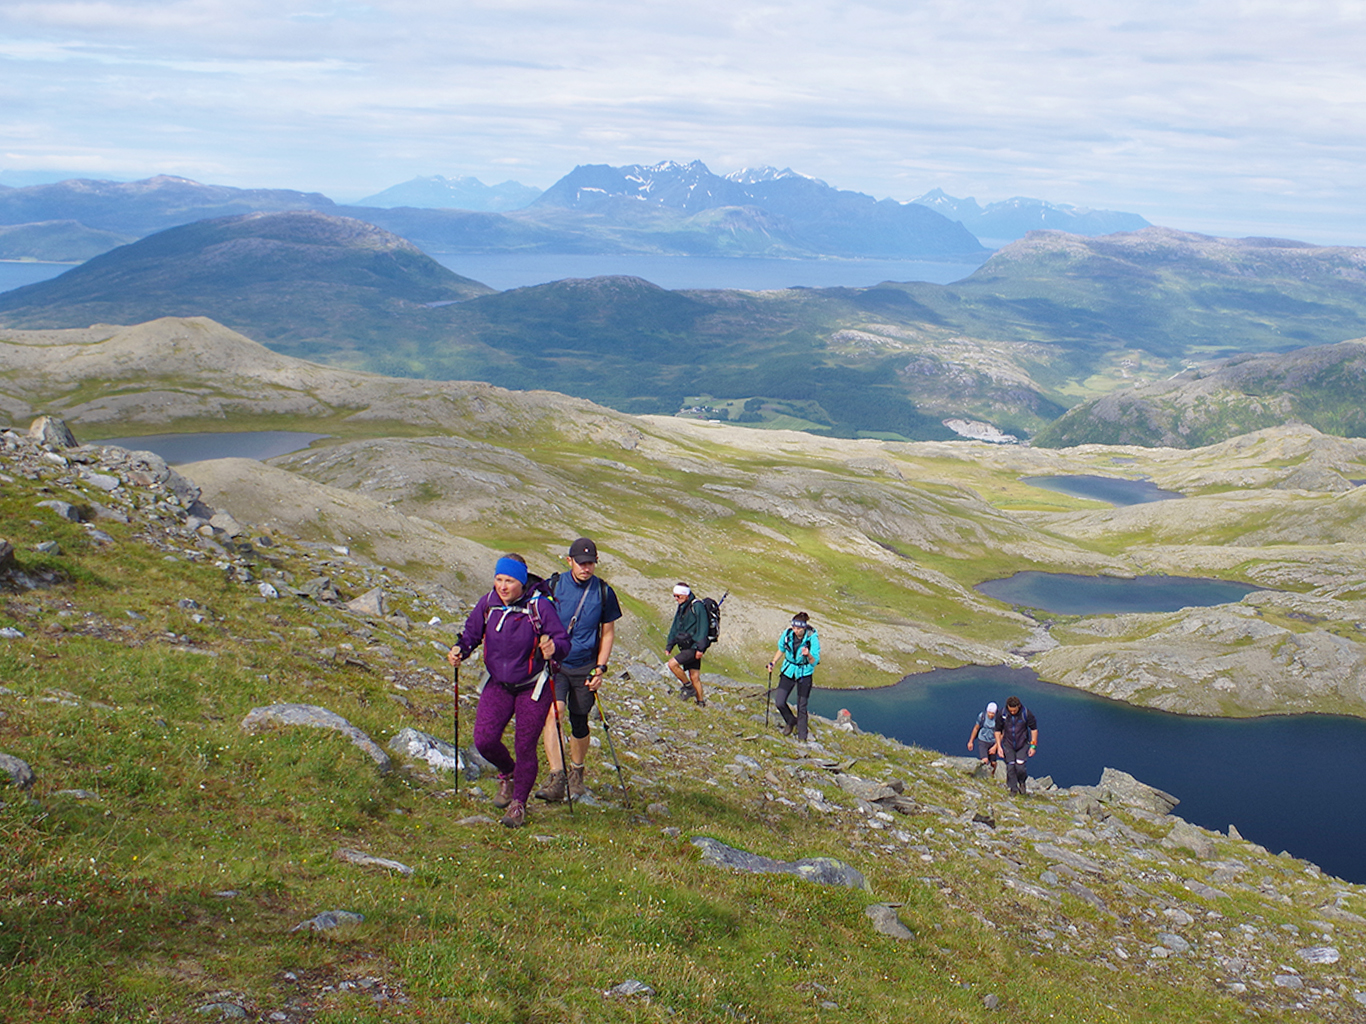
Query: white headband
{"type": "Point", "coordinates": [682, 591]}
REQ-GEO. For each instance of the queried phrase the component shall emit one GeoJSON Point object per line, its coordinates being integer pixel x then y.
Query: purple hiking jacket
{"type": "Point", "coordinates": [509, 634]}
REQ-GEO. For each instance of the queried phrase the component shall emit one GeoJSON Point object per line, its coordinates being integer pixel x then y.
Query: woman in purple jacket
{"type": "Point", "coordinates": [521, 632]}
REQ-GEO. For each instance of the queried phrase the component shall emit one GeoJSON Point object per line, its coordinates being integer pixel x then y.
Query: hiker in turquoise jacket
{"type": "Point", "coordinates": [799, 651]}
{"type": "Point", "coordinates": [689, 634]}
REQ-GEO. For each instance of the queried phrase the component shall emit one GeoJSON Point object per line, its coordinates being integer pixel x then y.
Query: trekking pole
{"type": "Point", "coordinates": [455, 679]}
{"type": "Point", "coordinates": [607, 730]}
{"type": "Point", "coordinates": [768, 696]}
{"type": "Point", "coordinates": [564, 761]}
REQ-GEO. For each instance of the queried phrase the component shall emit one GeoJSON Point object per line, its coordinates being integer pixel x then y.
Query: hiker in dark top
{"type": "Point", "coordinates": [1017, 738]}
{"type": "Point", "coordinates": [799, 651]}
{"type": "Point", "coordinates": [689, 634]}
{"type": "Point", "coordinates": [592, 609]}
{"type": "Point", "coordinates": [982, 739]}
{"type": "Point", "coordinates": [520, 632]}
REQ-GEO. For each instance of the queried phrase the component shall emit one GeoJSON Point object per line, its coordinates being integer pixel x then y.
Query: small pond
{"type": "Point", "coordinates": [177, 449]}
{"type": "Point", "coordinates": [1069, 594]}
{"type": "Point", "coordinates": [1284, 781]}
{"type": "Point", "coordinates": [1115, 490]}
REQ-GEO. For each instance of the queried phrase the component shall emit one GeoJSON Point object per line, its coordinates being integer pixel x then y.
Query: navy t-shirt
{"type": "Point", "coordinates": [600, 605]}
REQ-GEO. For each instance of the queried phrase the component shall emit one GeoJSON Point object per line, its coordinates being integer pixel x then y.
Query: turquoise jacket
{"type": "Point", "coordinates": [796, 653]}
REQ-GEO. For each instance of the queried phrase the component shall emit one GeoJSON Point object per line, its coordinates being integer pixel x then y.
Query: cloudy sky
{"type": "Point", "coordinates": [1222, 116]}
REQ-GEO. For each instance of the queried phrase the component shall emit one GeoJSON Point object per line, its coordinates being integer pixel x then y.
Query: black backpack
{"type": "Point", "coordinates": [713, 609]}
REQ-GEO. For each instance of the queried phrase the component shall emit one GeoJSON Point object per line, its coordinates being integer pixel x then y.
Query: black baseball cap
{"type": "Point", "coordinates": [583, 550]}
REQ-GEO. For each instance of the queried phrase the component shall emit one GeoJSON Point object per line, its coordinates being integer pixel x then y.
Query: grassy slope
{"type": "Point", "coordinates": [176, 887]}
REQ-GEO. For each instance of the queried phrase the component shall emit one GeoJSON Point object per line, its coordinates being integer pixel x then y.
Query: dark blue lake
{"type": "Point", "coordinates": [1287, 782]}
{"type": "Point", "coordinates": [1068, 594]}
{"type": "Point", "coordinates": [249, 444]}
{"type": "Point", "coordinates": [1115, 490]}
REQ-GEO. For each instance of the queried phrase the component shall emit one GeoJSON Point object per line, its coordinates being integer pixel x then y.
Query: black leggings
{"type": "Point", "coordinates": [803, 685]}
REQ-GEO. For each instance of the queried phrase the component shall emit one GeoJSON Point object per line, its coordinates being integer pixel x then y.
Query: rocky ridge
{"type": "Point", "coordinates": [1106, 873]}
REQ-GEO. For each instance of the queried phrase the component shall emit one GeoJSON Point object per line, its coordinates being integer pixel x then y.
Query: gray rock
{"type": "Point", "coordinates": [363, 859]}
{"type": "Point", "coordinates": [865, 790]}
{"type": "Point", "coordinates": [370, 603]}
{"type": "Point", "coordinates": [225, 1011]}
{"type": "Point", "coordinates": [225, 522]}
{"type": "Point", "coordinates": [1188, 836]}
{"type": "Point", "coordinates": [419, 746]}
{"type": "Point", "coordinates": [628, 988]}
{"type": "Point", "coordinates": [320, 589]}
{"type": "Point", "coordinates": [886, 922]}
{"type": "Point", "coordinates": [50, 430]}
{"type": "Point", "coordinates": [19, 772]}
{"type": "Point", "coordinates": [991, 1001]}
{"type": "Point", "coordinates": [47, 547]}
{"type": "Point", "coordinates": [1116, 785]}
{"type": "Point", "coordinates": [267, 591]}
{"type": "Point", "coordinates": [1290, 981]}
{"type": "Point", "coordinates": [1319, 955]}
{"type": "Point", "coordinates": [328, 920]}
{"type": "Point", "coordinates": [77, 794]}
{"type": "Point", "coordinates": [7, 560]}
{"type": "Point", "coordinates": [821, 870]}
{"type": "Point", "coordinates": [259, 719]}
{"type": "Point", "coordinates": [63, 508]}
{"type": "Point", "coordinates": [103, 481]}
{"type": "Point", "coordinates": [1173, 942]}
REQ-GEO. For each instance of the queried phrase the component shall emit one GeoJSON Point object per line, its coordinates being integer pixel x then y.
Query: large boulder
{"type": "Point", "coordinates": [822, 870]}
{"type": "Point", "coordinates": [51, 431]}
{"type": "Point", "coordinates": [260, 719]}
{"type": "Point", "coordinates": [1121, 787]}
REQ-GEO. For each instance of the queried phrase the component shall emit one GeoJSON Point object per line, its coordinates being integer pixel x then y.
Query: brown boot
{"type": "Point", "coordinates": [516, 815]}
{"type": "Point", "coordinates": [554, 788]}
{"type": "Point", "coordinates": [504, 795]}
{"type": "Point", "coordinates": [576, 786]}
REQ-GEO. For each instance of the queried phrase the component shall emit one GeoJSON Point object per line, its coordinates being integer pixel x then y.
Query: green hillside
{"type": "Point", "coordinates": [1324, 387]}
{"type": "Point", "coordinates": [164, 862]}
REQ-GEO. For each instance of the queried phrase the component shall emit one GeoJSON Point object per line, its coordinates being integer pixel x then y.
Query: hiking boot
{"type": "Point", "coordinates": [554, 788]}
{"type": "Point", "coordinates": [576, 786]}
{"type": "Point", "coordinates": [504, 795]}
{"type": "Point", "coordinates": [788, 727]}
{"type": "Point", "coordinates": [516, 815]}
{"type": "Point", "coordinates": [685, 692]}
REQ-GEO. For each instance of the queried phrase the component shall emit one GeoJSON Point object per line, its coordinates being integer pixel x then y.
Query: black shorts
{"type": "Point", "coordinates": [571, 687]}
{"type": "Point", "coordinates": [689, 660]}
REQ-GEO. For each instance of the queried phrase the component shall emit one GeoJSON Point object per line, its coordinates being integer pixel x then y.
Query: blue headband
{"type": "Point", "coordinates": [511, 567]}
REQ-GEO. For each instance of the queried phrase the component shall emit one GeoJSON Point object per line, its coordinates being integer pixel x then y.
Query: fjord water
{"type": "Point", "coordinates": [177, 449]}
{"type": "Point", "coordinates": [515, 270]}
{"type": "Point", "coordinates": [1288, 782]}
{"type": "Point", "coordinates": [1069, 594]}
{"type": "Point", "coordinates": [509, 270]}
{"type": "Point", "coordinates": [17, 273]}
{"type": "Point", "coordinates": [1115, 490]}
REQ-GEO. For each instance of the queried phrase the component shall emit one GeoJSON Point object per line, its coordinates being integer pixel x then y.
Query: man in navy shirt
{"type": "Point", "coordinates": [1017, 737]}
{"type": "Point", "coordinates": [589, 609]}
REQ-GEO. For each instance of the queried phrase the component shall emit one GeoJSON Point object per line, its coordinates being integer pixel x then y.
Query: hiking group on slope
{"type": "Point", "coordinates": [1012, 735]}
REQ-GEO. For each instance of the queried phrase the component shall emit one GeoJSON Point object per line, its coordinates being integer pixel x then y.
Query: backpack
{"type": "Point", "coordinates": [713, 610]}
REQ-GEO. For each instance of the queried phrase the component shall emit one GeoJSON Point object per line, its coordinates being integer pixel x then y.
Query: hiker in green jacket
{"type": "Point", "coordinates": [689, 634]}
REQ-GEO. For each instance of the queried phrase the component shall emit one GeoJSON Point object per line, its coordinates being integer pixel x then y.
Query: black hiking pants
{"type": "Point", "coordinates": [1017, 764]}
{"type": "Point", "coordinates": [803, 685]}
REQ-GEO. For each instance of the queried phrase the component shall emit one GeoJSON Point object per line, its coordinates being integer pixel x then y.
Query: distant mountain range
{"type": "Point", "coordinates": [458, 193]}
{"type": "Point", "coordinates": [1046, 323]}
{"type": "Point", "coordinates": [667, 208]}
{"type": "Point", "coordinates": [1011, 219]}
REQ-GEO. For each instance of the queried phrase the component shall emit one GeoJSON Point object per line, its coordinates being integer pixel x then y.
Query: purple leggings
{"type": "Point", "coordinates": [496, 708]}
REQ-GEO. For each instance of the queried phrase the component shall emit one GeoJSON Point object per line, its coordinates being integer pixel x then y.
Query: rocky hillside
{"type": "Point", "coordinates": [230, 796]}
{"type": "Point", "coordinates": [1321, 386]}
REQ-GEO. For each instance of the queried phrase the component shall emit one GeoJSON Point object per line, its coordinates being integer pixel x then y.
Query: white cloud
{"type": "Point", "coordinates": [1216, 114]}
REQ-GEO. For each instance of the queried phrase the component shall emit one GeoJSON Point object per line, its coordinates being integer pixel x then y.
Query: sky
{"type": "Point", "coordinates": [1225, 117]}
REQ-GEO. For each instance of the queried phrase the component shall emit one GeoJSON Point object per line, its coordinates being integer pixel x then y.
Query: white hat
{"type": "Point", "coordinates": [991, 708]}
